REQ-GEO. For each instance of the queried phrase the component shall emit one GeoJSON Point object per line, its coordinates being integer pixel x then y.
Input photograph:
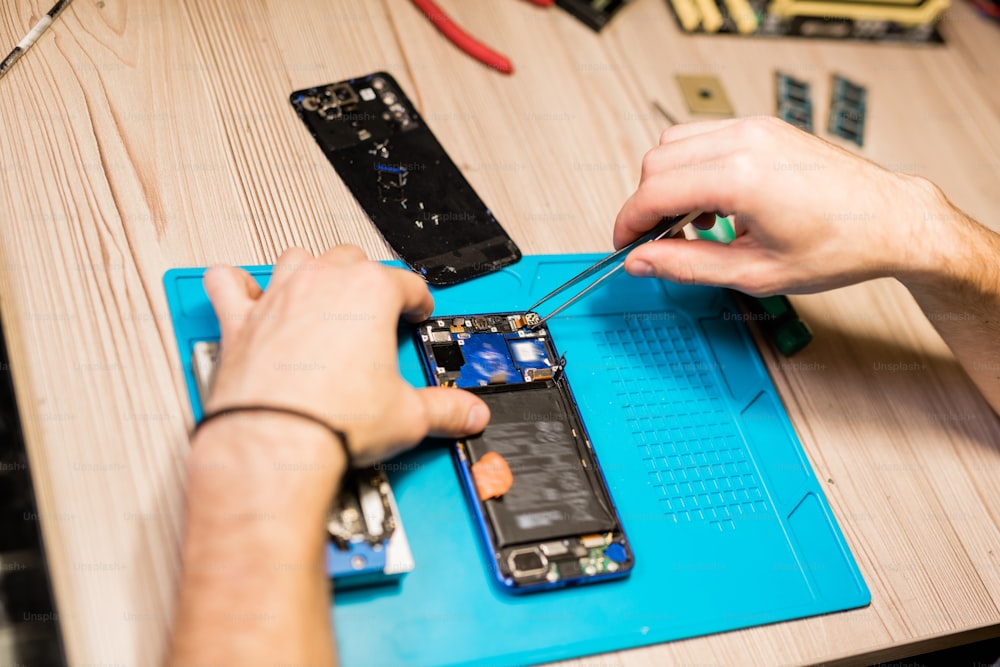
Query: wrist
{"type": "Point", "coordinates": [251, 410]}
{"type": "Point", "coordinates": [937, 247]}
{"type": "Point", "coordinates": [270, 461]}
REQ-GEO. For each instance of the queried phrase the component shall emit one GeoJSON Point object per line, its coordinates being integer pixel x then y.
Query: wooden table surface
{"type": "Point", "coordinates": [137, 137]}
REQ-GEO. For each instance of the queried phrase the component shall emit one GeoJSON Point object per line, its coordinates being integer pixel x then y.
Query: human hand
{"type": "Point", "coordinates": [808, 215]}
{"type": "Point", "coordinates": [322, 339]}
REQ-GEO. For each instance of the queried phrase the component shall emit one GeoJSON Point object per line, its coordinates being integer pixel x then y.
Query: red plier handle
{"type": "Point", "coordinates": [464, 40]}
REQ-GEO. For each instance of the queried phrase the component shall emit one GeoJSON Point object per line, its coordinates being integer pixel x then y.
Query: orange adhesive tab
{"type": "Point", "coordinates": [492, 476]}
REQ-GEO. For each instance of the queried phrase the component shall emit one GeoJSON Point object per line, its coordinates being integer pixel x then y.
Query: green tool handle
{"type": "Point", "coordinates": [774, 314]}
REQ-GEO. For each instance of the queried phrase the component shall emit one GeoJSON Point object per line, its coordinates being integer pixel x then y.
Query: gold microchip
{"type": "Point", "coordinates": [704, 94]}
{"type": "Point", "coordinates": [536, 374]}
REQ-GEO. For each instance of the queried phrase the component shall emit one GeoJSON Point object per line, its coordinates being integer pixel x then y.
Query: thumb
{"type": "Point", "coordinates": [453, 412]}
{"type": "Point", "coordinates": [694, 262]}
{"type": "Point", "coordinates": [233, 293]}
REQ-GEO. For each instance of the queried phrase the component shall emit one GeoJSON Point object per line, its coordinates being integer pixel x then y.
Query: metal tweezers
{"type": "Point", "coordinates": [616, 260]}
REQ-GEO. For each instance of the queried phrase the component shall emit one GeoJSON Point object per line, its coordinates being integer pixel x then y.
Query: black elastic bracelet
{"type": "Point", "coordinates": [340, 435]}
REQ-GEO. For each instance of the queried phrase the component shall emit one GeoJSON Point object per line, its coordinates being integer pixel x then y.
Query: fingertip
{"type": "Point", "coordinates": [621, 237]}
{"type": "Point", "coordinates": [232, 293]}
{"type": "Point", "coordinates": [293, 254]}
{"type": "Point", "coordinates": [230, 279]}
{"type": "Point", "coordinates": [453, 412]}
{"type": "Point", "coordinates": [478, 418]}
{"type": "Point", "coordinates": [639, 267]}
{"type": "Point", "coordinates": [288, 264]}
{"type": "Point", "coordinates": [625, 226]}
{"type": "Point", "coordinates": [617, 239]}
{"type": "Point", "coordinates": [416, 317]}
{"type": "Point", "coordinates": [420, 312]}
{"type": "Point", "coordinates": [217, 279]}
{"type": "Point", "coordinates": [215, 269]}
{"type": "Point", "coordinates": [418, 302]}
{"type": "Point", "coordinates": [346, 253]}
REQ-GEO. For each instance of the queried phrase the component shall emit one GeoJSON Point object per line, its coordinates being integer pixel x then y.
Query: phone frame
{"type": "Point", "coordinates": [362, 119]}
{"type": "Point", "coordinates": [463, 463]}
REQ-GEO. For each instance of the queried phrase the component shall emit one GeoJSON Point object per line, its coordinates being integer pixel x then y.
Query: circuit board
{"type": "Point", "coordinates": [793, 101]}
{"type": "Point", "coordinates": [910, 21]}
{"type": "Point", "coordinates": [485, 350]}
{"type": "Point", "coordinates": [848, 107]}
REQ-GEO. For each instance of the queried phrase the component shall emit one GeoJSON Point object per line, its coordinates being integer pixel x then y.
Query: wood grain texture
{"type": "Point", "coordinates": [136, 137]}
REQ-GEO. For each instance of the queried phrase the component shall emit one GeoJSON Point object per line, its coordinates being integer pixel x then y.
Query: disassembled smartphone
{"type": "Point", "coordinates": [367, 542]}
{"type": "Point", "coordinates": [403, 178]}
{"type": "Point", "coordinates": [532, 478]}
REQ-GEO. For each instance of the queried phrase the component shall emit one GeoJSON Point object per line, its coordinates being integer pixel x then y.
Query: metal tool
{"type": "Point", "coordinates": [32, 36]}
{"type": "Point", "coordinates": [464, 40]}
{"type": "Point", "coordinates": [616, 261]}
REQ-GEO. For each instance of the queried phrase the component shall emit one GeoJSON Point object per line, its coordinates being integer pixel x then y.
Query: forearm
{"type": "Point", "coordinates": [253, 588]}
{"type": "Point", "coordinates": [959, 291]}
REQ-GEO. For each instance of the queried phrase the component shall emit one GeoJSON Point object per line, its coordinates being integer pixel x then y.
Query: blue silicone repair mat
{"type": "Point", "coordinates": [727, 520]}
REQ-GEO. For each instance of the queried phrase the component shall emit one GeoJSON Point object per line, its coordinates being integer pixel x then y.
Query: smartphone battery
{"type": "Point", "coordinates": [554, 493]}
